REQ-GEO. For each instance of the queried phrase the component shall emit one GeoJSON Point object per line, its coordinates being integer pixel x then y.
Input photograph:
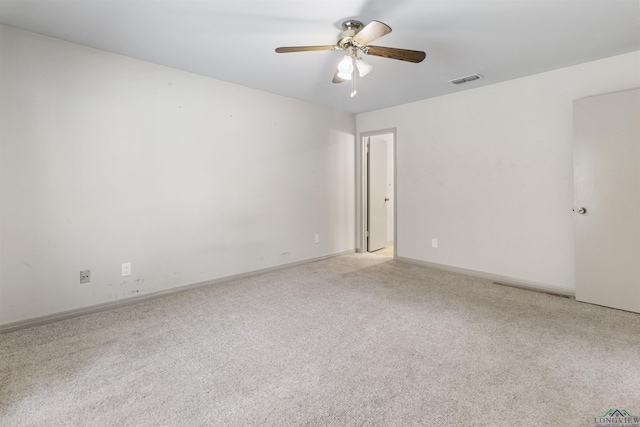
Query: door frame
{"type": "Point", "coordinates": [363, 202]}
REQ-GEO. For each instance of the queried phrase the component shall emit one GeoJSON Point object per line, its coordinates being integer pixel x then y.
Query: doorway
{"type": "Point", "coordinates": [378, 189]}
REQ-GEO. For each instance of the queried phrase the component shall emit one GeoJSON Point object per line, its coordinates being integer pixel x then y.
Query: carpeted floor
{"type": "Point", "coordinates": [353, 340]}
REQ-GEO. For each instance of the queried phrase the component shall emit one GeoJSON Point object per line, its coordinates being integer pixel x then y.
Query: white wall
{"type": "Point", "coordinates": [106, 159]}
{"type": "Point", "coordinates": [488, 171]}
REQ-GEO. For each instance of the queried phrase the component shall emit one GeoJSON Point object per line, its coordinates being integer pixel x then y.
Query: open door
{"type": "Point", "coordinates": [377, 196]}
{"type": "Point", "coordinates": [607, 199]}
{"type": "Point", "coordinates": [379, 207]}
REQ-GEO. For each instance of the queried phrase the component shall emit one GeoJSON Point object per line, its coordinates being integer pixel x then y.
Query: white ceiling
{"type": "Point", "coordinates": [235, 40]}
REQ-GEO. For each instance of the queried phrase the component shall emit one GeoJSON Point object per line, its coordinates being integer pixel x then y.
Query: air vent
{"type": "Point", "coordinates": [465, 79]}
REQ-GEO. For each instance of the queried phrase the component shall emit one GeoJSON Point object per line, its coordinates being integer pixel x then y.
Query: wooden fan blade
{"type": "Point", "coordinates": [337, 79]}
{"type": "Point", "coordinates": [414, 56]}
{"type": "Point", "coordinates": [304, 48]}
{"type": "Point", "coordinates": [372, 31]}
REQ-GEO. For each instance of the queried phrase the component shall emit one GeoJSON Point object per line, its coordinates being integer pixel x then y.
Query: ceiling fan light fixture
{"type": "Point", "coordinates": [346, 65]}
{"type": "Point", "coordinates": [345, 68]}
{"type": "Point", "coordinates": [363, 67]}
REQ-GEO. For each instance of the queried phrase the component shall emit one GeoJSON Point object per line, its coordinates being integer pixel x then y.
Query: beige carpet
{"type": "Point", "coordinates": [352, 340]}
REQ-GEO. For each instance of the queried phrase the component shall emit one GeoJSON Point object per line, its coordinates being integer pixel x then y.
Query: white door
{"type": "Point", "coordinates": [607, 199]}
{"type": "Point", "coordinates": [377, 197]}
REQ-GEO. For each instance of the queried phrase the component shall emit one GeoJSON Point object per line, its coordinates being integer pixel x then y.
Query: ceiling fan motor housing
{"type": "Point", "coordinates": [349, 29]}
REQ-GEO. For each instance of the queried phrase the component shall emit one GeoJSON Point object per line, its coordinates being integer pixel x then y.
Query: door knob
{"type": "Point", "coordinates": [386, 199]}
{"type": "Point", "coordinates": [582, 211]}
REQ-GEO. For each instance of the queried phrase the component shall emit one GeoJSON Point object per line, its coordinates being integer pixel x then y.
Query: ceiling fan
{"type": "Point", "coordinates": [354, 38]}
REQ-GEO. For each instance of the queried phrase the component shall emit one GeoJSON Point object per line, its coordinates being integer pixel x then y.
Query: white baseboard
{"type": "Point", "coordinates": [41, 320]}
{"type": "Point", "coordinates": [498, 279]}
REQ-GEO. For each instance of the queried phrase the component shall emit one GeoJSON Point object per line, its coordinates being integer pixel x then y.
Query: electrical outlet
{"type": "Point", "coordinates": [317, 238]}
{"type": "Point", "coordinates": [434, 243]}
{"type": "Point", "coordinates": [126, 269]}
{"type": "Point", "coordinates": [85, 276]}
